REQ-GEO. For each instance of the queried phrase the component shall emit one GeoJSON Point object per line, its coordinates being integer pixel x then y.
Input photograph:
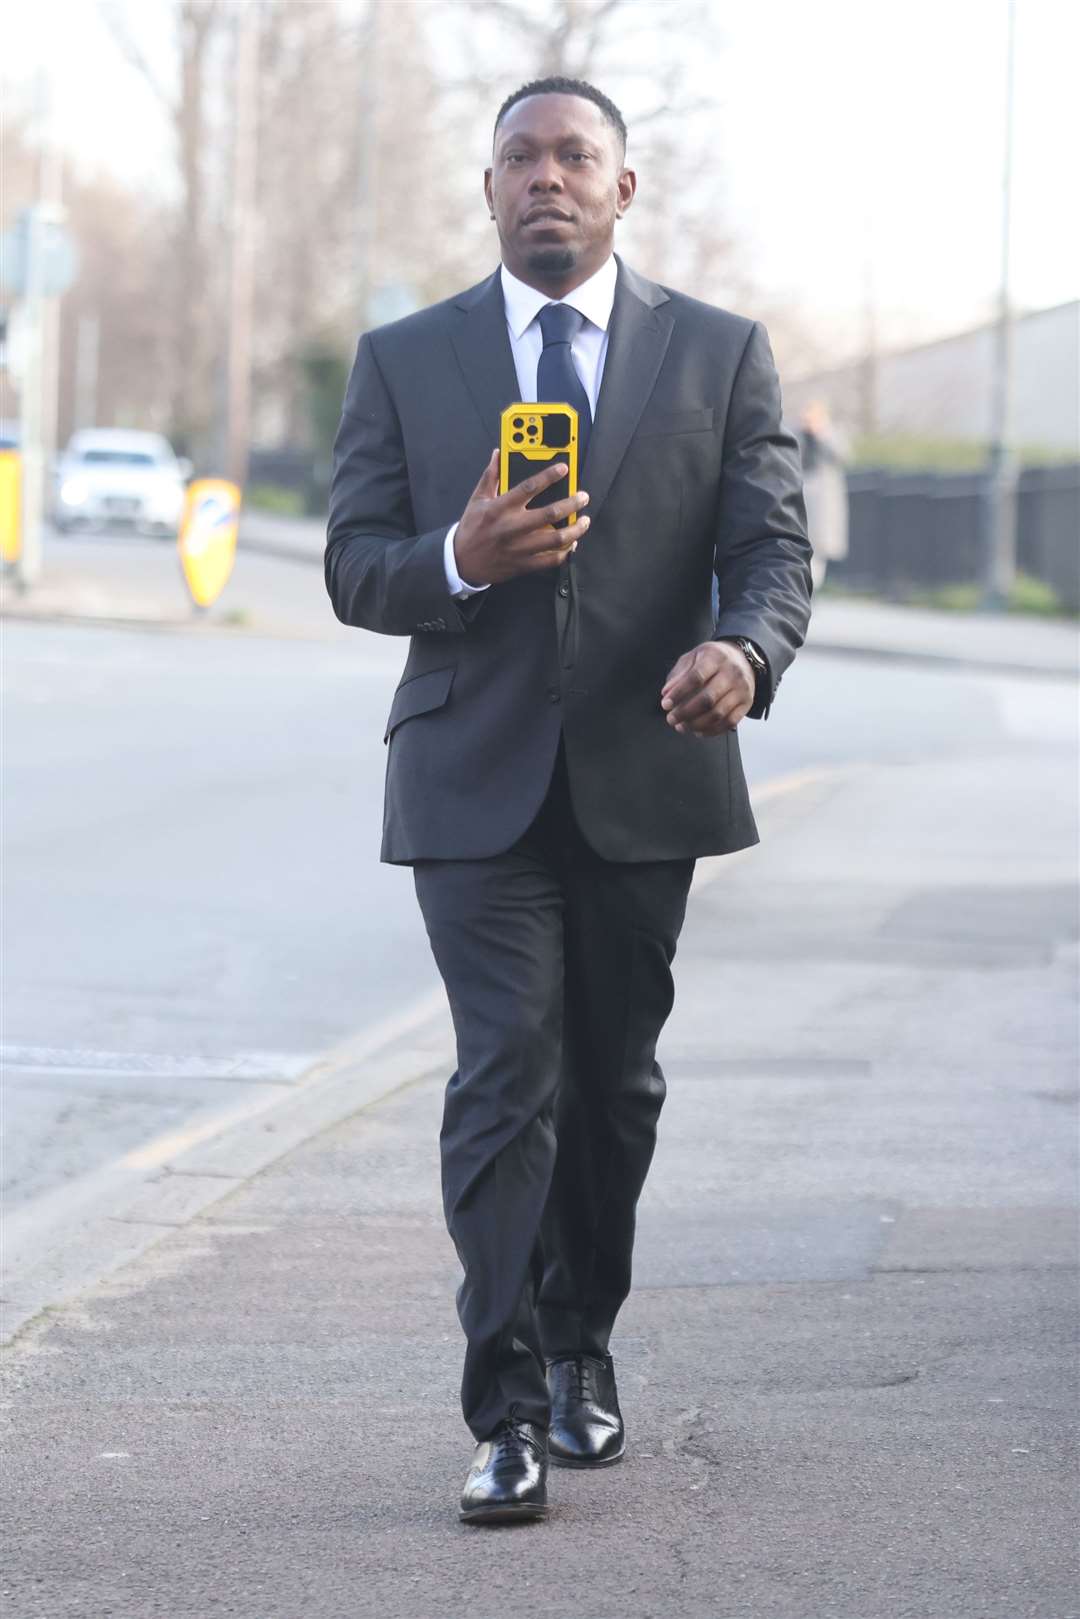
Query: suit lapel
{"type": "Point", "coordinates": [482, 345]}
{"type": "Point", "coordinates": [640, 333]}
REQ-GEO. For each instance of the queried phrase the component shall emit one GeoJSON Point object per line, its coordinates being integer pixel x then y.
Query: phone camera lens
{"type": "Point", "coordinates": [517, 422]}
{"type": "Point", "coordinates": [518, 438]}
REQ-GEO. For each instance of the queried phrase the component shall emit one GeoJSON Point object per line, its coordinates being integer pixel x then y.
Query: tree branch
{"type": "Point", "coordinates": [114, 16]}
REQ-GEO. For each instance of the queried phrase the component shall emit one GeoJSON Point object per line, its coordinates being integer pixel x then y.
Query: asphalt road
{"type": "Point", "coordinates": [194, 905]}
{"type": "Point", "coordinates": [192, 899]}
{"type": "Point", "coordinates": [847, 1363]}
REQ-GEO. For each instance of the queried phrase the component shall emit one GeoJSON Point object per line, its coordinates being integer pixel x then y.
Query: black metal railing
{"type": "Point", "coordinates": [913, 533]}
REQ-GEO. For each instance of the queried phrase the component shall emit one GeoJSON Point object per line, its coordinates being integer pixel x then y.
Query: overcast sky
{"type": "Point", "coordinates": [902, 108]}
{"type": "Point", "coordinates": [857, 140]}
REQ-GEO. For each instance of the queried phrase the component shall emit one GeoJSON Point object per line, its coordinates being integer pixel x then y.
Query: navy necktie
{"type": "Point", "coordinates": [556, 379]}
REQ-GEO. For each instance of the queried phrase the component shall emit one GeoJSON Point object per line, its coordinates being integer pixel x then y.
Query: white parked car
{"type": "Point", "coordinates": [109, 476]}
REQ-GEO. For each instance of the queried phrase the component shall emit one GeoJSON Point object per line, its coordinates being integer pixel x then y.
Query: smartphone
{"type": "Point", "coordinates": [531, 437]}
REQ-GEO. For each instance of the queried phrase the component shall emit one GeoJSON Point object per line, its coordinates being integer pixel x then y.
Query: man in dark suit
{"type": "Point", "coordinates": [562, 743]}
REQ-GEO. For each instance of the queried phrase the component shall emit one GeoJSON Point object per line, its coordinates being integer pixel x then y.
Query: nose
{"type": "Point", "coordinates": [546, 176]}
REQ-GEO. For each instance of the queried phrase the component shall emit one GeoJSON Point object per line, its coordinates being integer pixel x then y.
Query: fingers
{"type": "Point", "coordinates": [695, 702]}
{"type": "Point", "coordinates": [717, 725]}
{"type": "Point", "coordinates": [709, 716]}
{"type": "Point", "coordinates": [566, 508]}
{"type": "Point", "coordinates": [551, 555]}
{"type": "Point", "coordinates": [543, 546]}
{"type": "Point", "coordinates": [545, 517]}
{"type": "Point", "coordinates": [684, 682]}
{"type": "Point", "coordinates": [707, 691]}
{"type": "Point", "coordinates": [501, 537]}
{"type": "Point", "coordinates": [705, 707]}
{"type": "Point", "coordinates": [488, 486]}
{"type": "Point", "coordinates": [675, 674]}
{"type": "Point", "coordinates": [518, 520]}
{"type": "Point", "coordinates": [522, 493]}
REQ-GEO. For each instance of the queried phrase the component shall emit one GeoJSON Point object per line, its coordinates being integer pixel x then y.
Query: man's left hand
{"type": "Point", "coordinates": [709, 690]}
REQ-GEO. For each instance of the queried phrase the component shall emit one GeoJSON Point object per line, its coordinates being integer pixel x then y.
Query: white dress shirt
{"type": "Point", "coordinates": [593, 299]}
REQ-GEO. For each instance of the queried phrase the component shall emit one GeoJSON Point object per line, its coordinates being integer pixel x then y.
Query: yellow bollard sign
{"type": "Point", "coordinates": [208, 537]}
{"type": "Point", "coordinates": [10, 504]}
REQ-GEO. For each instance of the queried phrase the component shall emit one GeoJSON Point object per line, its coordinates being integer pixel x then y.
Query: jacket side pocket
{"type": "Point", "coordinates": [420, 695]}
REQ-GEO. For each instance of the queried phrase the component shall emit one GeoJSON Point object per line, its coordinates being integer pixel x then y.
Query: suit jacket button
{"type": "Point", "coordinates": [554, 696]}
{"type": "Point", "coordinates": [564, 590]}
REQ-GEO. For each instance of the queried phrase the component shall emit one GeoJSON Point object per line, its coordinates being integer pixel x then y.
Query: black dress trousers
{"type": "Point", "coordinates": [557, 965]}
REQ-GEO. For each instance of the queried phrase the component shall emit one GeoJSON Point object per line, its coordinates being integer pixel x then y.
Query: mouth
{"type": "Point", "coordinates": [547, 216]}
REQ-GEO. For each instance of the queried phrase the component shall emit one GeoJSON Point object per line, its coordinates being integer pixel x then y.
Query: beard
{"type": "Point", "coordinates": [551, 260]}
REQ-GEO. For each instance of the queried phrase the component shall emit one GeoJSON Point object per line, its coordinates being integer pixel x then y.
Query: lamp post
{"type": "Point", "coordinates": [999, 506]}
{"type": "Point", "coordinates": [242, 256]}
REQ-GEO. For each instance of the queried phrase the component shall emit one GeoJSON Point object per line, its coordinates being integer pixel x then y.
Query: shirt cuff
{"type": "Point", "coordinates": [454, 582]}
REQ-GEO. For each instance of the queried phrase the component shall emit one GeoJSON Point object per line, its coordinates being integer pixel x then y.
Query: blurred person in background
{"type": "Point", "coordinates": [824, 454]}
{"type": "Point", "coordinates": [562, 744]}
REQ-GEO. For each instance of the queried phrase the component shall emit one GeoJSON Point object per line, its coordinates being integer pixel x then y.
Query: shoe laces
{"type": "Point", "coordinates": [511, 1434]}
{"type": "Point", "coordinates": [584, 1369]}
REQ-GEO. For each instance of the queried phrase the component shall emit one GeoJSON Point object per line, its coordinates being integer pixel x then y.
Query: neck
{"type": "Point", "coordinates": [557, 284]}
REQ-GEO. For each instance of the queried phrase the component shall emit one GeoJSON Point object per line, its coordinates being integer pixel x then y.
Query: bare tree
{"type": "Point", "coordinates": [123, 253]}
{"type": "Point", "coordinates": [193, 284]}
{"type": "Point", "coordinates": [644, 56]}
{"type": "Point", "coordinates": [310, 79]}
{"type": "Point", "coordinates": [572, 38]}
{"type": "Point", "coordinates": [373, 127]}
{"type": "Point", "coordinates": [121, 240]}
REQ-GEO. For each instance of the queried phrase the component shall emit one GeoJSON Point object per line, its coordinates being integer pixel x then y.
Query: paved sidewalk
{"type": "Point", "coordinates": [301, 539]}
{"type": "Point", "coordinates": [846, 1366]}
{"type": "Point", "coordinates": [998, 643]}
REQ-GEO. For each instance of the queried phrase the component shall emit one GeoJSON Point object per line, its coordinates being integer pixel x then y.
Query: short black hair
{"type": "Point", "coordinates": [557, 85]}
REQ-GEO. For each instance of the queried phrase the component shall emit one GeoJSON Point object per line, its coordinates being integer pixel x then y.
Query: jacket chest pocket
{"type": "Point", "coordinates": [657, 422]}
{"type": "Point", "coordinates": [420, 695]}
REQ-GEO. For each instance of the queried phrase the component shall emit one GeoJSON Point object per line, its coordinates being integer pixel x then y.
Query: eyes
{"type": "Point", "coordinates": [517, 160]}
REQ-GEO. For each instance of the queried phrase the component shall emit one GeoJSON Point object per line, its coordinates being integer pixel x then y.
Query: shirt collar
{"type": "Point", "coordinates": [594, 298]}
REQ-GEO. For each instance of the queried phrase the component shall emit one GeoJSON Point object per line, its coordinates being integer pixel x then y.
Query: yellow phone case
{"type": "Point", "coordinates": [531, 437]}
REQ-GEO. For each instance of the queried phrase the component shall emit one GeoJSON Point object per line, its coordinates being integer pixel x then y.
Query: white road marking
{"type": "Point", "coordinates": [273, 1065]}
{"type": "Point", "coordinates": [59, 1206]}
{"type": "Point", "coordinates": [159, 1151]}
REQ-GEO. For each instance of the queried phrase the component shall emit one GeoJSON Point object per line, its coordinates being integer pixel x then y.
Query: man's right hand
{"type": "Point", "coordinates": [499, 538]}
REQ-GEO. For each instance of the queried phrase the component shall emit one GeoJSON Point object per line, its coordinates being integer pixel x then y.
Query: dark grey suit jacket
{"type": "Point", "coordinates": [688, 470]}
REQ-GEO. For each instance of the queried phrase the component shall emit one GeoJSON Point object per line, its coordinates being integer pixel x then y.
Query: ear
{"type": "Point", "coordinates": [488, 197]}
{"type": "Point", "coordinates": [626, 188]}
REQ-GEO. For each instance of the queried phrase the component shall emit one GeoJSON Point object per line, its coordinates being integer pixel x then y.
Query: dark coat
{"type": "Point", "coordinates": [688, 470]}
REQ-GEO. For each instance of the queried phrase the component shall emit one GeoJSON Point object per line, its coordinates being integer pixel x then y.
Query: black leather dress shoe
{"type": "Point", "coordinates": [507, 1482]}
{"type": "Point", "coordinates": [586, 1423]}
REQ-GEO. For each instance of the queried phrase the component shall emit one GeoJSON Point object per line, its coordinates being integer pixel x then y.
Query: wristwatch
{"type": "Point", "coordinates": [749, 652]}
